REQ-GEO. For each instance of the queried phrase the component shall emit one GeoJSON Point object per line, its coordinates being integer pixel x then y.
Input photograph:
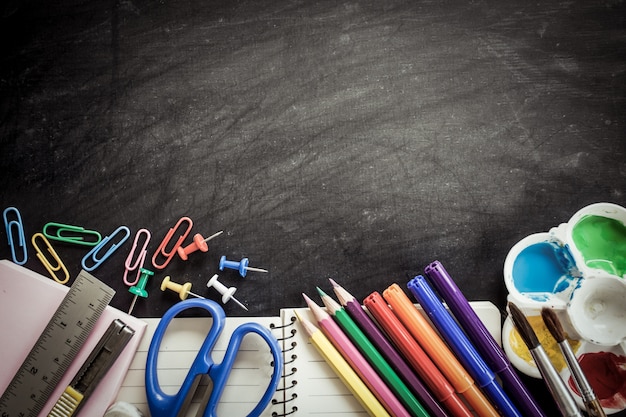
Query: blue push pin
{"type": "Point", "coordinates": [241, 266]}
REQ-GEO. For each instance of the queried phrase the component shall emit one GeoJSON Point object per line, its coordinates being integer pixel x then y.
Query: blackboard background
{"type": "Point", "coordinates": [353, 140]}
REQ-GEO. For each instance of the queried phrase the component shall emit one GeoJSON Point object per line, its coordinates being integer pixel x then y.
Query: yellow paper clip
{"type": "Point", "coordinates": [94, 254]}
{"type": "Point", "coordinates": [18, 227]}
{"type": "Point", "coordinates": [166, 240]}
{"type": "Point", "coordinates": [71, 234]}
{"type": "Point", "coordinates": [52, 269]}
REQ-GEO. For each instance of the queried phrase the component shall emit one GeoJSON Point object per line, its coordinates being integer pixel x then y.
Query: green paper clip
{"type": "Point", "coordinates": [71, 234]}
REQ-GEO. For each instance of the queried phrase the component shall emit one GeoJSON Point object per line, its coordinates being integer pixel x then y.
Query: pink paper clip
{"type": "Point", "coordinates": [129, 266]}
{"type": "Point", "coordinates": [166, 240]}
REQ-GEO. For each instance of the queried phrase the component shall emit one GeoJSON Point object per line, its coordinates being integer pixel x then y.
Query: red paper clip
{"type": "Point", "coordinates": [166, 240]}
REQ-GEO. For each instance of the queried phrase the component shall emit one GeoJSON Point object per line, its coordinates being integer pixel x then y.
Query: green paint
{"type": "Point", "coordinates": [602, 243]}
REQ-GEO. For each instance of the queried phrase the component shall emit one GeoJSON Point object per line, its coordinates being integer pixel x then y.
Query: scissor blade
{"type": "Point", "coordinates": [206, 395]}
{"type": "Point", "coordinates": [189, 396]}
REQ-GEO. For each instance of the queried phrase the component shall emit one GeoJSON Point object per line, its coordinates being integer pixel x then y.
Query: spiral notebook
{"type": "Point", "coordinates": [309, 386]}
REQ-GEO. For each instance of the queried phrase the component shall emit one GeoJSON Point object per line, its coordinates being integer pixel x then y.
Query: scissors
{"type": "Point", "coordinates": [164, 405]}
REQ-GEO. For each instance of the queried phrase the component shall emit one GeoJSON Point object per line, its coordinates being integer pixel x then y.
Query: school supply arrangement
{"type": "Point", "coordinates": [384, 355]}
{"type": "Point", "coordinates": [309, 385]}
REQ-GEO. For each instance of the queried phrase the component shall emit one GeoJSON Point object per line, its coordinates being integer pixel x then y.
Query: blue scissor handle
{"type": "Point", "coordinates": [164, 405]}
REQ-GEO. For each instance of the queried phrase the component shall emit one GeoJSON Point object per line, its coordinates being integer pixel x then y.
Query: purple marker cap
{"type": "Point", "coordinates": [378, 339]}
{"type": "Point", "coordinates": [481, 337]}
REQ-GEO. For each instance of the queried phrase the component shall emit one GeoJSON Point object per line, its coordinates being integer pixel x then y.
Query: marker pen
{"type": "Point", "coordinates": [488, 347]}
{"type": "Point", "coordinates": [413, 353]}
{"type": "Point", "coordinates": [461, 345]}
{"type": "Point", "coordinates": [438, 351]}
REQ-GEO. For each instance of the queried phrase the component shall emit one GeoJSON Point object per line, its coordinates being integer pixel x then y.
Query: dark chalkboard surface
{"type": "Point", "coordinates": [353, 140]}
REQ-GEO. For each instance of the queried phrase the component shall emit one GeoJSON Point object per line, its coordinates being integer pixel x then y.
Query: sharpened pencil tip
{"type": "Point", "coordinates": [298, 316]}
{"type": "Point", "coordinates": [308, 300]}
{"type": "Point", "coordinates": [321, 292]}
{"type": "Point", "coordinates": [333, 283]}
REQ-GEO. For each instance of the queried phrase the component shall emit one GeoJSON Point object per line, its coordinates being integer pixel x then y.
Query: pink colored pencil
{"type": "Point", "coordinates": [356, 360]}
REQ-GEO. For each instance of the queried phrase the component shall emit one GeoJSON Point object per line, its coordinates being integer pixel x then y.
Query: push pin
{"type": "Point", "coordinates": [139, 290]}
{"type": "Point", "coordinates": [227, 293]}
{"type": "Point", "coordinates": [199, 243]}
{"type": "Point", "coordinates": [241, 266]}
{"type": "Point", "coordinates": [183, 290]}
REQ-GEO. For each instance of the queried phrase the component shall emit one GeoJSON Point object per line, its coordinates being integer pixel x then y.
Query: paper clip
{"type": "Point", "coordinates": [52, 269]}
{"type": "Point", "coordinates": [93, 254]}
{"type": "Point", "coordinates": [71, 234]}
{"type": "Point", "coordinates": [18, 227]}
{"type": "Point", "coordinates": [128, 265]}
{"type": "Point", "coordinates": [166, 240]}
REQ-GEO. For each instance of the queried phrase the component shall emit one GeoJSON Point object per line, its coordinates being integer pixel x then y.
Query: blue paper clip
{"type": "Point", "coordinates": [52, 268]}
{"type": "Point", "coordinates": [166, 240]}
{"type": "Point", "coordinates": [17, 227]}
{"type": "Point", "coordinates": [97, 258]}
{"type": "Point", "coordinates": [71, 234]}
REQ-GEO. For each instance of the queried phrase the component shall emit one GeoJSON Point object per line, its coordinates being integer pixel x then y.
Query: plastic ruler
{"type": "Point", "coordinates": [56, 348]}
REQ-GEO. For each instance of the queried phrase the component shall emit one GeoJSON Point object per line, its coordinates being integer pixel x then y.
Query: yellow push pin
{"type": "Point", "coordinates": [183, 290]}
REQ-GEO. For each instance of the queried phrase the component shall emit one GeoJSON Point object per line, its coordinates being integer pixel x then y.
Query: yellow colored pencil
{"type": "Point", "coordinates": [343, 370]}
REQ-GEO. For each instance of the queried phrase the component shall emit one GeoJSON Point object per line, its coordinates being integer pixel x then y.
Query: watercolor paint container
{"type": "Point", "coordinates": [579, 270]}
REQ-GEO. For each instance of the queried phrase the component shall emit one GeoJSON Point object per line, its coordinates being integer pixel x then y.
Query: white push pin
{"type": "Point", "coordinates": [227, 293]}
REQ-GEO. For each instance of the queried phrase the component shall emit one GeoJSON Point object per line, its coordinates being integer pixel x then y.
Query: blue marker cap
{"type": "Point", "coordinates": [461, 345]}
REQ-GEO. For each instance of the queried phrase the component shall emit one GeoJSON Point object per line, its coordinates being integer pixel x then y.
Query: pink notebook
{"type": "Point", "coordinates": [27, 302]}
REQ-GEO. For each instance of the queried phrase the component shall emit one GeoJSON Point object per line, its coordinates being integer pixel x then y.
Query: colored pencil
{"type": "Point", "coordinates": [384, 346]}
{"type": "Point", "coordinates": [352, 355]}
{"type": "Point", "coordinates": [460, 344]}
{"type": "Point", "coordinates": [564, 400]}
{"type": "Point", "coordinates": [437, 350]}
{"type": "Point", "coordinates": [488, 347]}
{"type": "Point", "coordinates": [415, 355]}
{"type": "Point", "coordinates": [372, 355]}
{"type": "Point", "coordinates": [343, 370]}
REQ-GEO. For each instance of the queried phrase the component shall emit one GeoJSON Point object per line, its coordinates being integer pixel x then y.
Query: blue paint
{"type": "Point", "coordinates": [543, 269]}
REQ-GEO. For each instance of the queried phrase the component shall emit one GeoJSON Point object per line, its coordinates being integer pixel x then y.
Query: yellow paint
{"type": "Point", "coordinates": [547, 341]}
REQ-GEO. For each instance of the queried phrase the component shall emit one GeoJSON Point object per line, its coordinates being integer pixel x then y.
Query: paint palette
{"type": "Point", "coordinates": [579, 270]}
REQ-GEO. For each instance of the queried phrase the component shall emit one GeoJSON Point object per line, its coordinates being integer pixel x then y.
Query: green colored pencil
{"type": "Point", "coordinates": [373, 356]}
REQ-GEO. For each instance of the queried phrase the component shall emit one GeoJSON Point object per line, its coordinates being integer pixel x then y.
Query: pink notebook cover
{"type": "Point", "coordinates": [27, 302]}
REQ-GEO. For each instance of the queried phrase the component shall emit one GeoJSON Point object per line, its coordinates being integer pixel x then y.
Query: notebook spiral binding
{"type": "Point", "coordinates": [288, 384]}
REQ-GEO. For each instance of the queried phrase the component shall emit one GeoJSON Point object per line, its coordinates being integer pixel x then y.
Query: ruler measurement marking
{"type": "Point", "coordinates": [56, 347]}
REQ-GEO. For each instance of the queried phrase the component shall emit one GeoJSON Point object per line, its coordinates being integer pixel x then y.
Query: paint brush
{"type": "Point", "coordinates": [562, 397]}
{"type": "Point", "coordinates": [592, 404]}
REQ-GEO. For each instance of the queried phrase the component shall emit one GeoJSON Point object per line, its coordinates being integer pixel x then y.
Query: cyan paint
{"type": "Point", "coordinates": [602, 243]}
{"type": "Point", "coordinates": [543, 269]}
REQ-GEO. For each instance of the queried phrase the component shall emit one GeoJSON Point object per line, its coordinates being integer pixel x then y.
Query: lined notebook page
{"type": "Point", "coordinates": [316, 389]}
{"type": "Point", "coordinates": [248, 379]}
{"type": "Point", "coordinates": [309, 386]}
